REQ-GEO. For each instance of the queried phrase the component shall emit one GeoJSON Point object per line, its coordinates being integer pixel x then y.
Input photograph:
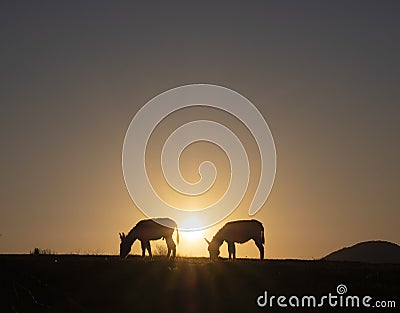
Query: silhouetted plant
{"type": "Point", "coordinates": [37, 251]}
{"type": "Point", "coordinates": [160, 250]}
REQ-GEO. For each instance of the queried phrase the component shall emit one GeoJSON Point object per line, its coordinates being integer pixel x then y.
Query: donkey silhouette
{"type": "Point", "coordinates": [237, 231]}
{"type": "Point", "coordinates": [146, 230]}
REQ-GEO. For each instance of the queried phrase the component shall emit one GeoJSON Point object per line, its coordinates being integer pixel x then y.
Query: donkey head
{"type": "Point", "coordinates": [124, 247]}
{"type": "Point", "coordinates": [213, 249]}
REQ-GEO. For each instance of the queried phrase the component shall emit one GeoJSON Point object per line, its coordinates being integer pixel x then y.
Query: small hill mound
{"type": "Point", "coordinates": [368, 252]}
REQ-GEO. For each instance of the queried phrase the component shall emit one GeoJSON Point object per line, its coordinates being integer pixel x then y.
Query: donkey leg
{"type": "Point", "coordinates": [260, 247]}
{"type": "Point", "coordinates": [168, 246]}
{"type": "Point", "coordinates": [171, 246]}
{"type": "Point", "coordinates": [149, 248]}
{"type": "Point", "coordinates": [231, 250]}
{"type": "Point", "coordinates": [143, 245]}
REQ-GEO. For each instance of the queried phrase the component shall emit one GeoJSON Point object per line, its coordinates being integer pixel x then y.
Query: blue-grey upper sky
{"type": "Point", "coordinates": [325, 75]}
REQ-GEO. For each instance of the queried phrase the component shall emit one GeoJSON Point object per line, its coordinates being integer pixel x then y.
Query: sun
{"type": "Point", "coordinates": [193, 235]}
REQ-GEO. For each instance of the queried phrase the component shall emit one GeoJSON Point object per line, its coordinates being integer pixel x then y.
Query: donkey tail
{"type": "Point", "coordinates": [177, 235]}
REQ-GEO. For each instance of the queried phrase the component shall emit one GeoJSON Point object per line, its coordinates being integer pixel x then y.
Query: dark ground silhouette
{"type": "Point", "coordinates": [56, 283]}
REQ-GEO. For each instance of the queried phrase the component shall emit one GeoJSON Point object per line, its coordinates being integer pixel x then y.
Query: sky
{"type": "Point", "coordinates": [324, 76]}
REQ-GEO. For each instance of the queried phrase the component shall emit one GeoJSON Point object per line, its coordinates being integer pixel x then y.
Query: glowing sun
{"type": "Point", "coordinates": [193, 235]}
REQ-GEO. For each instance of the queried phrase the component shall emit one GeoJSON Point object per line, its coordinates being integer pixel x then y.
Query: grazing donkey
{"type": "Point", "coordinates": [146, 230]}
{"type": "Point", "coordinates": [237, 231]}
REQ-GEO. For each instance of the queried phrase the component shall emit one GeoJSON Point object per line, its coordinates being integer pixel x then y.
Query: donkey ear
{"type": "Point", "coordinates": [208, 242]}
{"type": "Point", "coordinates": [121, 236]}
